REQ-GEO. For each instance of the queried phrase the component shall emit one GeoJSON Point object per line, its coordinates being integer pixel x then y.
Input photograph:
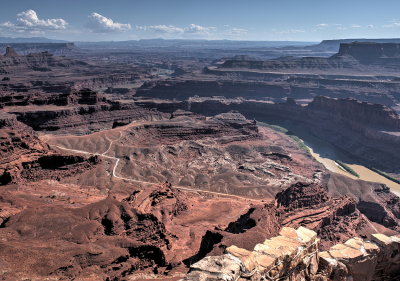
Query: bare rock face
{"type": "Point", "coordinates": [10, 52]}
{"type": "Point", "coordinates": [108, 236]}
{"type": "Point", "coordinates": [294, 255]}
{"type": "Point", "coordinates": [182, 90]}
{"type": "Point", "coordinates": [383, 209]}
{"type": "Point", "coordinates": [368, 132]}
{"type": "Point", "coordinates": [334, 219]}
{"type": "Point", "coordinates": [351, 56]}
{"type": "Point", "coordinates": [11, 62]}
{"type": "Point", "coordinates": [301, 195]}
{"type": "Point", "coordinates": [214, 154]}
{"type": "Point", "coordinates": [25, 158]}
{"type": "Point", "coordinates": [377, 259]}
{"type": "Point", "coordinates": [54, 48]}
{"type": "Point", "coordinates": [68, 98]}
{"type": "Point", "coordinates": [225, 267]}
{"type": "Point", "coordinates": [140, 228]}
{"type": "Point", "coordinates": [17, 139]}
{"type": "Point", "coordinates": [87, 115]}
{"type": "Point", "coordinates": [356, 111]}
{"type": "Point", "coordinates": [371, 53]}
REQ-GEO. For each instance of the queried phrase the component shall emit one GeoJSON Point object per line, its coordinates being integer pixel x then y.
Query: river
{"type": "Point", "coordinates": [365, 173]}
{"type": "Point", "coordinates": [326, 153]}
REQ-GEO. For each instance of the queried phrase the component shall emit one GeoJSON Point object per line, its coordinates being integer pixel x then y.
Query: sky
{"type": "Point", "coordinates": [294, 20]}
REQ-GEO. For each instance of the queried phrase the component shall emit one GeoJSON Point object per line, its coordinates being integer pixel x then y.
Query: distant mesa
{"type": "Point", "coordinates": [334, 44]}
{"type": "Point", "coordinates": [352, 56]}
{"type": "Point", "coordinates": [368, 52]}
{"type": "Point", "coordinates": [53, 48]}
{"type": "Point", "coordinates": [10, 52]}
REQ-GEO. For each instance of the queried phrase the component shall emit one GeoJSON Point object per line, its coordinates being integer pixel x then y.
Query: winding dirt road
{"type": "Point", "coordinates": [145, 182]}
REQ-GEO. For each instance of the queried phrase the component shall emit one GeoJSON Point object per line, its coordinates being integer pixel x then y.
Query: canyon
{"type": "Point", "coordinates": [150, 164]}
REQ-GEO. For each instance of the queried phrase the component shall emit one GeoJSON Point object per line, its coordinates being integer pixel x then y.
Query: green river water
{"type": "Point", "coordinates": [326, 153]}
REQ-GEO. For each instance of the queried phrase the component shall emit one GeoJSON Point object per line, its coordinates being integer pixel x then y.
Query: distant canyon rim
{"type": "Point", "coordinates": [124, 161]}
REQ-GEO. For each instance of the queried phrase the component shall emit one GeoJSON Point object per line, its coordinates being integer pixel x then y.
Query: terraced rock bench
{"type": "Point", "coordinates": [294, 255]}
{"type": "Point", "coordinates": [359, 260]}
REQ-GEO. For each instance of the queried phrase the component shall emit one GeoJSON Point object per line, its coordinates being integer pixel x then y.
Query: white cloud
{"type": "Point", "coordinates": [161, 28]}
{"type": "Point", "coordinates": [370, 26]}
{"type": "Point", "coordinates": [288, 31]}
{"type": "Point", "coordinates": [198, 29]}
{"type": "Point", "coordinates": [322, 25]}
{"type": "Point", "coordinates": [237, 31]}
{"type": "Point", "coordinates": [192, 29]}
{"type": "Point", "coordinates": [340, 26]}
{"type": "Point", "coordinates": [29, 18]}
{"type": "Point", "coordinates": [356, 26]}
{"type": "Point", "coordinates": [101, 24]}
{"type": "Point", "coordinates": [28, 21]}
{"type": "Point", "coordinates": [7, 24]}
{"type": "Point", "coordinates": [394, 23]}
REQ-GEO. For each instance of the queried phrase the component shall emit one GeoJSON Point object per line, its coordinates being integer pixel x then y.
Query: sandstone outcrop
{"type": "Point", "coordinates": [275, 86]}
{"type": "Point", "coordinates": [367, 114]}
{"type": "Point", "coordinates": [142, 229]}
{"type": "Point", "coordinates": [51, 74]}
{"type": "Point", "coordinates": [225, 153]}
{"type": "Point", "coordinates": [368, 132]}
{"type": "Point", "coordinates": [83, 96]}
{"type": "Point", "coordinates": [334, 219]}
{"type": "Point", "coordinates": [333, 45]}
{"type": "Point", "coordinates": [181, 90]}
{"type": "Point", "coordinates": [11, 62]}
{"type": "Point", "coordinates": [53, 48]}
{"type": "Point", "coordinates": [384, 54]}
{"type": "Point", "coordinates": [85, 111]}
{"type": "Point", "coordinates": [10, 52]}
{"type": "Point", "coordinates": [294, 255]}
{"type": "Point", "coordinates": [25, 158]}
{"type": "Point", "coordinates": [351, 56]}
{"type": "Point", "coordinates": [17, 140]}
{"type": "Point", "coordinates": [118, 184]}
{"type": "Point", "coordinates": [106, 239]}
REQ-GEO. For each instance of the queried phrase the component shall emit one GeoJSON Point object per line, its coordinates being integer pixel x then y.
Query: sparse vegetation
{"type": "Point", "coordinates": [383, 174]}
{"type": "Point", "coordinates": [347, 168]}
{"type": "Point", "coordinates": [300, 142]}
{"type": "Point", "coordinates": [280, 129]}
{"type": "Point", "coordinates": [273, 127]}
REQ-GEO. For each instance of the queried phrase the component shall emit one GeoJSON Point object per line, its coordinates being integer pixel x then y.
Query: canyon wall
{"type": "Point", "coordinates": [54, 48]}
{"type": "Point", "coordinates": [375, 115]}
{"type": "Point", "coordinates": [83, 119]}
{"type": "Point", "coordinates": [371, 53]}
{"type": "Point", "coordinates": [370, 133]}
{"type": "Point", "coordinates": [181, 90]}
{"type": "Point", "coordinates": [294, 255]}
{"type": "Point", "coordinates": [351, 56]}
{"type": "Point", "coordinates": [80, 111]}
{"type": "Point", "coordinates": [12, 62]}
{"type": "Point", "coordinates": [276, 87]}
{"type": "Point", "coordinates": [84, 96]}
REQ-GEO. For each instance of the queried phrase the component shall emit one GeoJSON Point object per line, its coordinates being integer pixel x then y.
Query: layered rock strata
{"type": "Point", "coordinates": [54, 48]}
{"type": "Point", "coordinates": [351, 56]}
{"type": "Point", "coordinates": [294, 255]}
{"type": "Point", "coordinates": [368, 132]}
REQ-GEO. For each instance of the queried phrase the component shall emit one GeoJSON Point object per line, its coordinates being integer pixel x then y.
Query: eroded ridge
{"type": "Point", "coordinates": [294, 255]}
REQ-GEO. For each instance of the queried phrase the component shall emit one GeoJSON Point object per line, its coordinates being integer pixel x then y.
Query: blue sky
{"type": "Point", "coordinates": [300, 20]}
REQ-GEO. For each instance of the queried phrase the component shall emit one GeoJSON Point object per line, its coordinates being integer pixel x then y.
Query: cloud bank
{"type": "Point", "coordinates": [101, 24]}
{"type": "Point", "coordinates": [191, 29]}
{"type": "Point", "coordinates": [161, 28]}
{"type": "Point", "coordinates": [28, 21]}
